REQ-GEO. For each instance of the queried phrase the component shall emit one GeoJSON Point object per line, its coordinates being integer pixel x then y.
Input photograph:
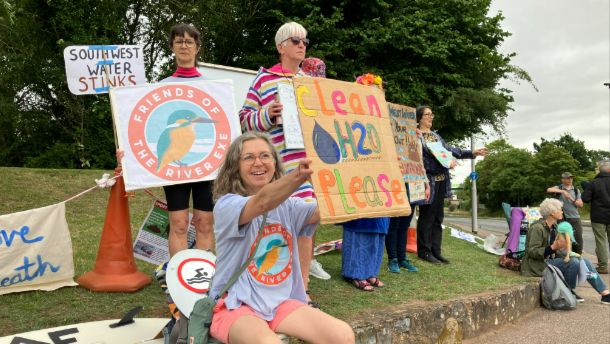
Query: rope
{"type": "Point", "coordinates": [105, 184]}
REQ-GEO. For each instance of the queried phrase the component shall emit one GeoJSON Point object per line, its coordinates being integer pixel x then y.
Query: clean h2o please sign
{"type": "Point", "coordinates": [86, 67]}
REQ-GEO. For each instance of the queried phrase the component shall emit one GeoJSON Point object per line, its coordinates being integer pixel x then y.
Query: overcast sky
{"type": "Point", "coordinates": [564, 45]}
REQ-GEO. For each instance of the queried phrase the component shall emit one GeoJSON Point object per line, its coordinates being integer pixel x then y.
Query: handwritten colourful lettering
{"type": "Point", "coordinates": [22, 233]}
{"type": "Point", "coordinates": [29, 271]}
{"type": "Point", "coordinates": [338, 98]}
{"type": "Point", "coordinates": [347, 133]}
{"type": "Point", "coordinates": [332, 182]}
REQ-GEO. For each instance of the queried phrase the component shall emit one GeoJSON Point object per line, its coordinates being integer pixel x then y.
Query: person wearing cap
{"type": "Point", "coordinates": [544, 246]}
{"type": "Point", "coordinates": [571, 199]}
{"type": "Point", "coordinates": [598, 194]}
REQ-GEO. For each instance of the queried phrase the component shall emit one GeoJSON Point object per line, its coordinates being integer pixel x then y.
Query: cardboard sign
{"type": "Point", "coordinates": [409, 149]}
{"type": "Point", "coordinates": [35, 250]}
{"type": "Point", "coordinates": [348, 136]}
{"type": "Point", "coordinates": [94, 69]}
{"type": "Point", "coordinates": [174, 133]}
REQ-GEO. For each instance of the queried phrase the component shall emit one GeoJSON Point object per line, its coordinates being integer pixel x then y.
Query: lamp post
{"type": "Point", "coordinates": [474, 198]}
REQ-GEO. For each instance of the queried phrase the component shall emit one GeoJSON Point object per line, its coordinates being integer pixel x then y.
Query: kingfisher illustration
{"type": "Point", "coordinates": [270, 257]}
{"type": "Point", "coordinates": [178, 137]}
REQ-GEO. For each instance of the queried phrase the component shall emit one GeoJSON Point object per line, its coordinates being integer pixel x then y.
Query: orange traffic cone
{"type": "Point", "coordinates": [411, 240]}
{"type": "Point", "coordinates": [115, 267]}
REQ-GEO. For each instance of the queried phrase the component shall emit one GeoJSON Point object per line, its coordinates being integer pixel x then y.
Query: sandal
{"type": "Point", "coordinates": [362, 285]}
{"type": "Point", "coordinates": [375, 282]}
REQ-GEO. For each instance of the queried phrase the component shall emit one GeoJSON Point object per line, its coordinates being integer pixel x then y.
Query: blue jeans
{"type": "Point", "coordinates": [570, 273]}
{"type": "Point", "coordinates": [396, 239]}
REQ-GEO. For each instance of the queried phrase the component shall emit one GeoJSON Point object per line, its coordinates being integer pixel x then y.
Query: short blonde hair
{"type": "Point", "coordinates": [550, 205]}
{"type": "Point", "coordinates": [289, 30]}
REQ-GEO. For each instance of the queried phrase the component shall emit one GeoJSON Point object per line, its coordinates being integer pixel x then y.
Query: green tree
{"type": "Point", "coordinates": [505, 175]}
{"type": "Point", "coordinates": [443, 53]}
{"type": "Point", "coordinates": [576, 148]}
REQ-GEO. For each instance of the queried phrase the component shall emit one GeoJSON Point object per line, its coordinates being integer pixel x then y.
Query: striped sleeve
{"type": "Point", "coordinates": [253, 116]}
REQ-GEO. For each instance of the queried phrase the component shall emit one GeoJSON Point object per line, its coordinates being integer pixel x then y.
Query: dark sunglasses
{"type": "Point", "coordinates": [296, 40]}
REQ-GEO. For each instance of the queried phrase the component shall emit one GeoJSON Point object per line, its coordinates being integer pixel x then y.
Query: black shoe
{"type": "Point", "coordinates": [442, 259]}
{"type": "Point", "coordinates": [431, 259]}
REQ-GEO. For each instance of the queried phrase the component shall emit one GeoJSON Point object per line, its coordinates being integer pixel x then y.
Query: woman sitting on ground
{"type": "Point", "coordinates": [543, 243]}
{"type": "Point", "coordinates": [268, 296]}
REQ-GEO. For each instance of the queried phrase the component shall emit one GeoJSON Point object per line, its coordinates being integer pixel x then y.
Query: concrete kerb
{"type": "Point", "coordinates": [427, 323]}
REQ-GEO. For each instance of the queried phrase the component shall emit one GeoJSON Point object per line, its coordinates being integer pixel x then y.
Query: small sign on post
{"type": "Point", "coordinates": [94, 69]}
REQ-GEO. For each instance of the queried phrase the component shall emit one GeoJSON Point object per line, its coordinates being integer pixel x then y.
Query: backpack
{"type": "Point", "coordinates": [193, 330]}
{"type": "Point", "coordinates": [554, 291]}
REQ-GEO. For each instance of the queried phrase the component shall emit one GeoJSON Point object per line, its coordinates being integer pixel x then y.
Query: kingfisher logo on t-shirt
{"type": "Point", "coordinates": [272, 263]}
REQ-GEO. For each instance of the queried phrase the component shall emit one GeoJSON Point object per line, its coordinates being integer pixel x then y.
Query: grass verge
{"type": "Point", "coordinates": [471, 271]}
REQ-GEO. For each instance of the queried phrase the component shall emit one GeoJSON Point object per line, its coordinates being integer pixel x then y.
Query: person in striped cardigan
{"type": "Point", "coordinates": [262, 111]}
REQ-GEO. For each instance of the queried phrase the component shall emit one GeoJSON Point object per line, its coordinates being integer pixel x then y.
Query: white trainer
{"type": "Point", "coordinates": [315, 270]}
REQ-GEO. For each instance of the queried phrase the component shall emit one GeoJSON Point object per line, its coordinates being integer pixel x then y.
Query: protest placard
{"type": "Point", "coordinates": [409, 149]}
{"type": "Point", "coordinates": [348, 136]}
{"type": "Point", "coordinates": [94, 69]}
{"type": "Point", "coordinates": [151, 244]}
{"type": "Point", "coordinates": [174, 133]}
{"type": "Point", "coordinates": [35, 250]}
{"type": "Point", "coordinates": [290, 117]}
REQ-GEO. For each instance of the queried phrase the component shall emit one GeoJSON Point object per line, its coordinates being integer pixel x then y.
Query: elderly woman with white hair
{"type": "Point", "coordinates": [262, 111]}
{"type": "Point", "coordinates": [543, 244]}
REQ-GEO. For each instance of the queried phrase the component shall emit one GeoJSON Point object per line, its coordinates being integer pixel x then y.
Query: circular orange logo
{"type": "Point", "coordinates": [179, 132]}
{"type": "Point", "coordinates": [272, 262]}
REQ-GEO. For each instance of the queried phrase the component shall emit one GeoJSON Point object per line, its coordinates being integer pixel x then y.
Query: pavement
{"type": "Point", "coordinates": [588, 323]}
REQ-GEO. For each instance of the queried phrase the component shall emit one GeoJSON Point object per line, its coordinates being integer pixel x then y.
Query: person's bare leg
{"type": "Point", "coordinates": [178, 223]}
{"type": "Point", "coordinates": [203, 221]}
{"type": "Point", "coordinates": [314, 326]}
{"type": "Point", "coordinates": [249, 329]}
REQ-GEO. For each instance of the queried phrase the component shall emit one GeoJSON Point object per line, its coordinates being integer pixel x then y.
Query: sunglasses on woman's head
{"type": "Point", "coordinates": [296, 40]}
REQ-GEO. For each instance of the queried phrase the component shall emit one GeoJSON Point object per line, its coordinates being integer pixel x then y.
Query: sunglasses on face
{"type": "Point", "coordinates": [296, 40]}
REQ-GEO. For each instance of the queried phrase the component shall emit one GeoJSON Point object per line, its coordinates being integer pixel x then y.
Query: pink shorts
{"type": "Point", "coordinates": [223, 318]}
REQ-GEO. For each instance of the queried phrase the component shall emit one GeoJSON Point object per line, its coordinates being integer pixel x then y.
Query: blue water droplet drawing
{"type": "Point", "coordinates": [325, 145]}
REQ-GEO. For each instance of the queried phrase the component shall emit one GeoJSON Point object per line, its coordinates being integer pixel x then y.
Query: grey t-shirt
{"type": "Point", "coordinates": [569, 209]}
{"type": "Point", "coordinates": [274, 275]}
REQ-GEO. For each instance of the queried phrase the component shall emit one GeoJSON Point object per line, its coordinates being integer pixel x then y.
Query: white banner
{"type": "Point", "coordinates": [174, 133]}
{"type": "Point", "coordinates": [87, 65]}
{"type": "Point", "coordinates": [35, 250]}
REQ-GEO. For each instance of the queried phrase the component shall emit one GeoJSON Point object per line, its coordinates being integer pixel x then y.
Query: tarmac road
{"type": "Point", "coordinates": [499, 227]}
{"type": "Point", "coordinates": [588, 323]}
